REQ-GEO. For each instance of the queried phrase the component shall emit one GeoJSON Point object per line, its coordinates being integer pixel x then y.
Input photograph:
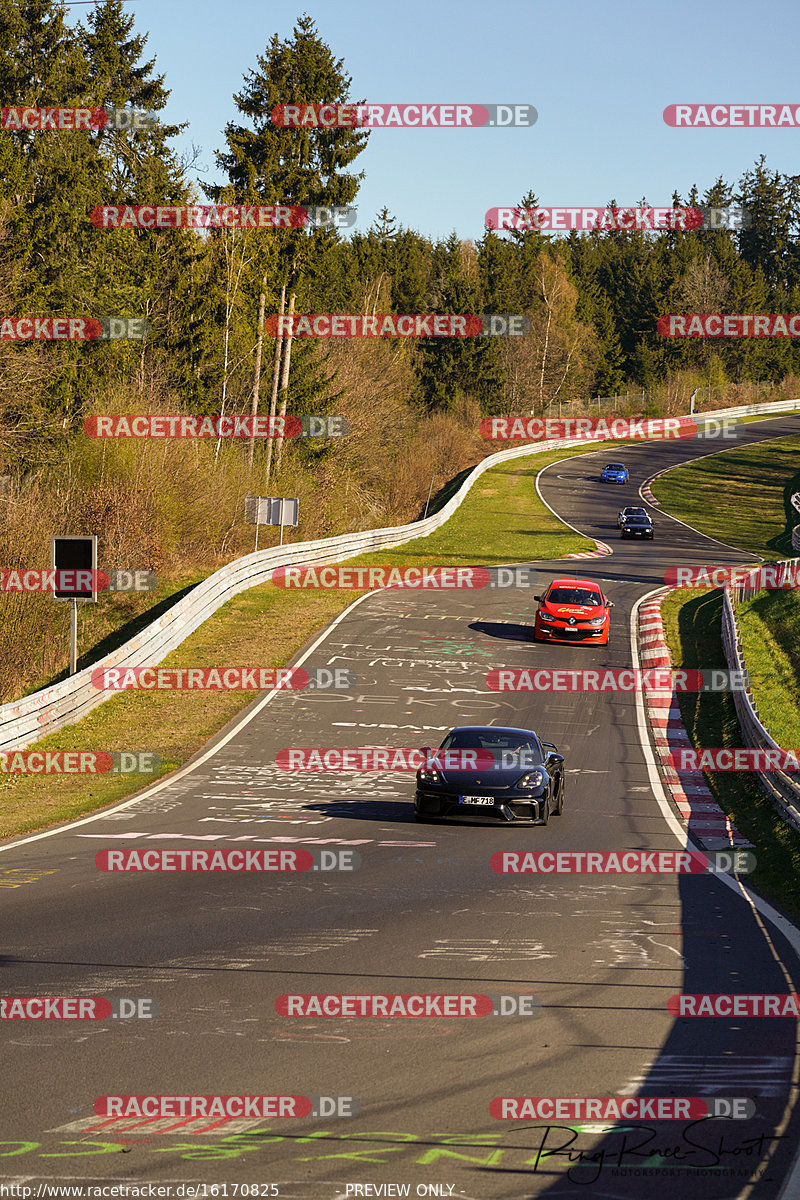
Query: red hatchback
{"type": "Point", "coordinates": [573, 610]}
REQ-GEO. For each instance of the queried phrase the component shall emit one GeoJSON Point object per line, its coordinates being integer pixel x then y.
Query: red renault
{"type": "Point", "coordinates": [573, 610]}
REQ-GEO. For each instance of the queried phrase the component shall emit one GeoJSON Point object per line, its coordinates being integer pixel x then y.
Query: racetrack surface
{"type": "Point", "coordinates": [424, 913]}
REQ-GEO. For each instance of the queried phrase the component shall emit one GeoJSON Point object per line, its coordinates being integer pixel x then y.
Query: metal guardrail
{"type": "Point", "coordinates": [795, 502]}
{"type": "Point", "coordinates": [752, 410]}
{"type": "Point", "coordinates": [782, 787]}
{"type": "Point", "coordinates": [25, 721]}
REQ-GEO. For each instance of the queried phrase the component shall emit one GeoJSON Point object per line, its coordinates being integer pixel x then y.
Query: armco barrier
{"type": "Point", "coordinates": [783, 788]}
{"type": "Point", "coordinates": [752, 410]}
{"type": "Point", "coordinates": [23, 722]}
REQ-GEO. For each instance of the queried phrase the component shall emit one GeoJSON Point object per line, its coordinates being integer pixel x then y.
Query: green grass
{"type": "Point", "coordinates": [742, 498]}
{"type": "Point", "coordinates": [692, 623]}
{"type": "Point", "coordinates": [501, 521]}
{"type": "Point", "coordinates": [739, 496]}
{"type": "Point", "coordinates": [770, 630]}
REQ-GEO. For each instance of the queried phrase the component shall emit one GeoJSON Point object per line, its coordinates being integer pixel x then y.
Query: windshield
{"type": "Point", "coordinates": [495, 740]}
{"type": "Point", "coordinates": [572, 595]}
{"type": "Point", "coordinates": [638, 521]}
{"type": "Point", "coordinates": [615, 467]}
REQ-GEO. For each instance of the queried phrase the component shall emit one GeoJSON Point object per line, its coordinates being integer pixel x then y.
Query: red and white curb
{"type": "Point", "coordinates": [601, 551]}
{"type": "Point", "coordinates": [705, 820]}
{"type": "Point", "coordinates": [647, 493]}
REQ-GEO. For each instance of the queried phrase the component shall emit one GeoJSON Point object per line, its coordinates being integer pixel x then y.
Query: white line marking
{"type": "Point", "coordinates": [245, 719]}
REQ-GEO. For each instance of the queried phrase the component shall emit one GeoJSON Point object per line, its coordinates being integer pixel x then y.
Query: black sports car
{"type": "Point", "coordinates": [511, 777]}
{"type": "Point", "coordinates": [637, 527]}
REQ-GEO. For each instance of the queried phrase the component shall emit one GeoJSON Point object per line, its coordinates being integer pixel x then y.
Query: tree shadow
{"type": "Point", "coordinates": [119, 636]}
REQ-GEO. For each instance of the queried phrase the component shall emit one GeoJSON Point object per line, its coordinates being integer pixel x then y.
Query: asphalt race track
{"type": "Point", "coordinates": [424, 913]}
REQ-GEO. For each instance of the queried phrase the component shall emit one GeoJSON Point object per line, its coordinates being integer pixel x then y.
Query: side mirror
{"type": "Point", "coordinates": [537, 598]}
{"type": "Point", "coordinates": [554, 760]}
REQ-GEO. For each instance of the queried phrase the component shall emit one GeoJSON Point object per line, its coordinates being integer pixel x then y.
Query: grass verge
{"type": "Point", "coordinates": [692, 625]}
{"type": "Point", "coordinates": [739, 496]}
{"type": "Point", "coordinates": [742, 497]}
{"type": "Point", "coordinates": [770, 628]}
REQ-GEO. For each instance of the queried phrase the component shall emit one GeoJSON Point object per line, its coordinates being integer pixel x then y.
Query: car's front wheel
{"type": "Point", "coordinates": [545, 817]}
{"type": "Point", "coordinates": [558, 810]}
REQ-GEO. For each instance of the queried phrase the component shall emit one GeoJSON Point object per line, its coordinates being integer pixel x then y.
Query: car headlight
{"type": "Point", "coordinates": [428, 777]}
{"type": "Point", "coordinates": [597, 620]}
{"type": "Point", "coordinates": [543, 616]}
{"type": "Point", "coordinates": [534, 779]}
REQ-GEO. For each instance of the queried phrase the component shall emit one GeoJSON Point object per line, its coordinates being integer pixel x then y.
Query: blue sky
{"type": "Point", "coordinates": [599, 75]}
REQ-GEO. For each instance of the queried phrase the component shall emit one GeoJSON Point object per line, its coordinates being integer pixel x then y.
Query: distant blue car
{"type": "Point", "coordinates": [614, 473]}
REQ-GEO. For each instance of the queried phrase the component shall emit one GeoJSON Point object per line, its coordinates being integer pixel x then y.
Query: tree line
{"type": "Point", "coordinates": [593, 299]}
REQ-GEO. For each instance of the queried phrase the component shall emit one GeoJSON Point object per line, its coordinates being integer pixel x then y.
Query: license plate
{"type": "Point", "coordinates": [476, 799]}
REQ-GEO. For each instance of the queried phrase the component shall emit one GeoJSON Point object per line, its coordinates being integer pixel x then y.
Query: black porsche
{"type": "Point", "coordinates": [485, 774]}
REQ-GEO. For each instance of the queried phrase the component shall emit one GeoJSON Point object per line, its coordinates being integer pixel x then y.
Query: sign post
{"type": "Point", "coordinates": [271, 510]}
{"type": "Point", "coordinates": [75, 557]}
